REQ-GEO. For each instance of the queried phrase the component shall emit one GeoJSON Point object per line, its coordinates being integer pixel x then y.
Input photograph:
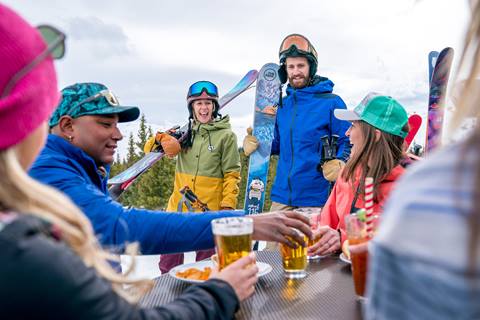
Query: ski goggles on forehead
{"type": "Point", "coordinates": [300, 42]}
{"type": "Point", "coordinates": [55, 40]}
{"type": "Point", "coordinates": [107, 94]}
{"type": "Point", "coordinates": [197, 88]}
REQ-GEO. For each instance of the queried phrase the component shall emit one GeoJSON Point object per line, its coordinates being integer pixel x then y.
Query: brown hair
{"type": "Point", "coordinates": [373, 158]}
{"type": "Point", "coordinates": [467, 107]}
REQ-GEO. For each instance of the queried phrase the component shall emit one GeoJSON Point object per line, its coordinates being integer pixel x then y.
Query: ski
{"type": "Point", "coordinates": [432, 60]}
{"type": "Point", "coordinates": [123, 180]}
{"type": "Point", "coordinates": [266, 100]}
{"type": "Point", "coordinates": [436, 102]}
{"type": "Point", "coordinates": [414, 122]}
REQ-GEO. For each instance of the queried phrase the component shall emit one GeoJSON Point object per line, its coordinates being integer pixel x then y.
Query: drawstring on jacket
{"type": "Point", "coordinates": [210, 147]}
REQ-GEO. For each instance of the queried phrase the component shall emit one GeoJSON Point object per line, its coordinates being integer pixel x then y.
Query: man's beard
{"type": "Point", "coordinates": [297, 85]}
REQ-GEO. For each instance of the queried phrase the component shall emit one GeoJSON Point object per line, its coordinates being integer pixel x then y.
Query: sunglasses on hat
{"type": "Point", "coordinates": [107, 94]}
{"type": "Point", "coordinates": [55, 40]}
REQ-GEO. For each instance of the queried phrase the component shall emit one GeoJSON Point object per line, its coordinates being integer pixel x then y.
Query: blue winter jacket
{"type": "Point", "coordinates": [69, 169]}
{"type": "Point", "coordinates": [305, 116]}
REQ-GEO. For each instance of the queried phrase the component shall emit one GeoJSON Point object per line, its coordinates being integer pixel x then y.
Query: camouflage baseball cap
{"type": "Point", "coordinates": [90, 98]}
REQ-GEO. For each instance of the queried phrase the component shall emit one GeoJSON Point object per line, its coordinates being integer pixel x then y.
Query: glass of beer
{"type": "Point", "coordinates": [294, 260]}
{"type": "Point", "coordinates": [233, 239]}
{"type": "Point", "coordinates": [313, 214]}
{"type": "Point", "coordinates": [357, 234]}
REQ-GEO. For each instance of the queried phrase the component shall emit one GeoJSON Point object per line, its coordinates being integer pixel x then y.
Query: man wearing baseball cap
{"type": "Point", "coordinates": [77, 158]}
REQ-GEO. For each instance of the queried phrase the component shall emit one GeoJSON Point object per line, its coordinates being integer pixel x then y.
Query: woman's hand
{"type": "Point", "coordinates": [329, 241]}
{"type": "Point", "coordinates": [241, 275]}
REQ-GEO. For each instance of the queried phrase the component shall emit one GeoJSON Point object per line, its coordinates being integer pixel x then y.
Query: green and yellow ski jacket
{"type": "Point", "coordinates": [210, 168]}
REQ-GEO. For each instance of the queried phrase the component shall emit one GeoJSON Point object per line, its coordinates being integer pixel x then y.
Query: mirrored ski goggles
{"type": "Point", "coordinates": [55, 40]}
{"type": "Point", "coordinates": [197, 88]}
{"type": "Point", "coordinates": [300, 42]}
{"type": "Point", "coordinates": [107, 94]}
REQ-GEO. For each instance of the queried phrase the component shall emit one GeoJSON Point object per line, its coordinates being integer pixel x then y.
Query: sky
{"type": "Point", "coordinates": [149, 52]}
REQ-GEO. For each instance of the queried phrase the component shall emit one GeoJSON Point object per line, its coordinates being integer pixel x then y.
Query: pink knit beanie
{"type": "Point", "coordinates": [33, 97]}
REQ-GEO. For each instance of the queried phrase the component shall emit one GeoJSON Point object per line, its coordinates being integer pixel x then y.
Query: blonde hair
{"type": "Point", "coordinates": [467, 107]}
{"type": "Point", "coordinates": [22, 194]}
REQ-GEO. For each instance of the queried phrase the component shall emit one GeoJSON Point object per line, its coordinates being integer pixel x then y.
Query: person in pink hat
{"type": "Point", "coordinates": [51, 263]}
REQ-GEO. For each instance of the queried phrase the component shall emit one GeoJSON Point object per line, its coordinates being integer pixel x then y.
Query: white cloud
{"type": "Point", "coordinates": [150, 51]}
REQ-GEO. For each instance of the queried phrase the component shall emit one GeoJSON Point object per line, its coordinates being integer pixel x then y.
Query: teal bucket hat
{"type": "Point", "coordinates": [382, 112]}
{"type": "Point", "coordinates": [91, 98]}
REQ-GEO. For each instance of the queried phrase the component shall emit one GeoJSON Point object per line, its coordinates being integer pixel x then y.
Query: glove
{"type": "Point", "coordinates": [150, 145]}
{"type": "Point", "coordinates": [250, 143]}
{"type": "Point", "coordinates": [332, 168]}
{"type": "Point", "coordinates": [171, 147]}
{"type": "Point", "coordinates": [164, 141]}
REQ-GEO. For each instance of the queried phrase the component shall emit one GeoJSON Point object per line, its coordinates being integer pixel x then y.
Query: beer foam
{"type": "Point", "coordinates": [232, 226]}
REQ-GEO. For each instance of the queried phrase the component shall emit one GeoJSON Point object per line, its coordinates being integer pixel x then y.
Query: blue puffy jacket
{"type": "Point", "coordinates": [69, 169]}
{"type": "Point", "coordinates": [305, 116]}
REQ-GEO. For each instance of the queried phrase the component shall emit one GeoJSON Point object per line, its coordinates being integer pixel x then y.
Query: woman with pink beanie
{"type": "Point", "coordinates": [51, 263]}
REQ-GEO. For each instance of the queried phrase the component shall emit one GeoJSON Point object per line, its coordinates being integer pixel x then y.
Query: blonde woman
{"type": "Point", "coordinates": [51, 264]}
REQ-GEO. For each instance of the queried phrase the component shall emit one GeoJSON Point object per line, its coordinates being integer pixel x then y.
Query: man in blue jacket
{"type": "Point", "coordinates": [77, 158]}
{"type": "Point", "coordinates": [305, 128]}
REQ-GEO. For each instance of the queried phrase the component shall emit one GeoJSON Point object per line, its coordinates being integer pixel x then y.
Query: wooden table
{"type": "Point", "coordinates": [326, 293]}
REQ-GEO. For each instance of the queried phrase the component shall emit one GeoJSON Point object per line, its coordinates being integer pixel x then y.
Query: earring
{"type": "Point", "coordinates": [70, 138]}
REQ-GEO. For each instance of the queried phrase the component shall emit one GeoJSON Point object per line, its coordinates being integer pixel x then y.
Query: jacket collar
{"type": "Point", "coordinates": [395, 173]}
{"type": "Point", "coordinates": [58, 144]}
{"type": "Point", "coordinates": [319, 85]}
{"type": "Point", "coordinates": [217, 124]}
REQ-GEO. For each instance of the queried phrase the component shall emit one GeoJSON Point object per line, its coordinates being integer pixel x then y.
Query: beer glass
{"type": "Point", "coordinates": [233, 239]}
{"type": "Point", "coordinates": [294, 260]}
{"type": "Point", "coordinates": [313, 214]}
{"type": "Point", "coordinates": [357, 234]}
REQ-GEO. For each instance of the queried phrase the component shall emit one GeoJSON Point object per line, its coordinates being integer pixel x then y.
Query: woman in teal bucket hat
{"type": "Point", "coordinates": [379, 127]}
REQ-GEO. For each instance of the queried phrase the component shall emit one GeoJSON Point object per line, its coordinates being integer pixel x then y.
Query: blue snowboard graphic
{"type": "Point", "coordinates": [266, 100]}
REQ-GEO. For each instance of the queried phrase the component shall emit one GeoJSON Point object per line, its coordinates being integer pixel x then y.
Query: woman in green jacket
{"type": "Point", "coordinates": [209, 162]}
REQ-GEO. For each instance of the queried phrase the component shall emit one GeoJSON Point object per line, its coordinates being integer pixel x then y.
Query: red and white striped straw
{"type": "Point", "coordinates": [369, 204]}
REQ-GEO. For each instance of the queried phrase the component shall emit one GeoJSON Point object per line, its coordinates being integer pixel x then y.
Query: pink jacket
{"type": "Point", "coordinates": [340, 200]}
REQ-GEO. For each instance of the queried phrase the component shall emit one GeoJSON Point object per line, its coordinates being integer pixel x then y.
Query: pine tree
{"type": "Point", "coordinates": [132, 156]}
{"type": "Point", "coordinates": [150, 131]}
{"type": "Point", "coordinates": [142, 135]}
{"type": "Point", "coordinates": [117, 166]}
{"type": "Point", "coordinates": [151, 190]}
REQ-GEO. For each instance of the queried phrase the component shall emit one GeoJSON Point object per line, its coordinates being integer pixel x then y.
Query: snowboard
{"type": "Point", "coordinates": [436, 102]}
{"type": "Point", "coordinates": [123, 180]}
{"type": "Point", "coordinates": [414, 122]}
{"type": "Point", "coordinates": [266, 101]}
{"type": "Point", "coordinates": [432, 59]}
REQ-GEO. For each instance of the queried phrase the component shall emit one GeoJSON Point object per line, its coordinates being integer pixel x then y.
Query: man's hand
{"type": "Point", "coordinates": [329, 241]}
{"type": "Point", "coordinates": [332, 168]}
{"type": "Point", "coordinates": [277, 226]}
{"type": "Point", "coordinates": [171, 147]}
{"type": "Point", "coordinates": [250, 143]}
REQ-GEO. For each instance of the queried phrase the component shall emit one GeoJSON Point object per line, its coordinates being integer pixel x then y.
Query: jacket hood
{"type": "Point", "coordinates": [217, 124]}
{"type": "Point", "coordinates": [395, 173]}
{"type": "Point", "coordinates": [319, 85]}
